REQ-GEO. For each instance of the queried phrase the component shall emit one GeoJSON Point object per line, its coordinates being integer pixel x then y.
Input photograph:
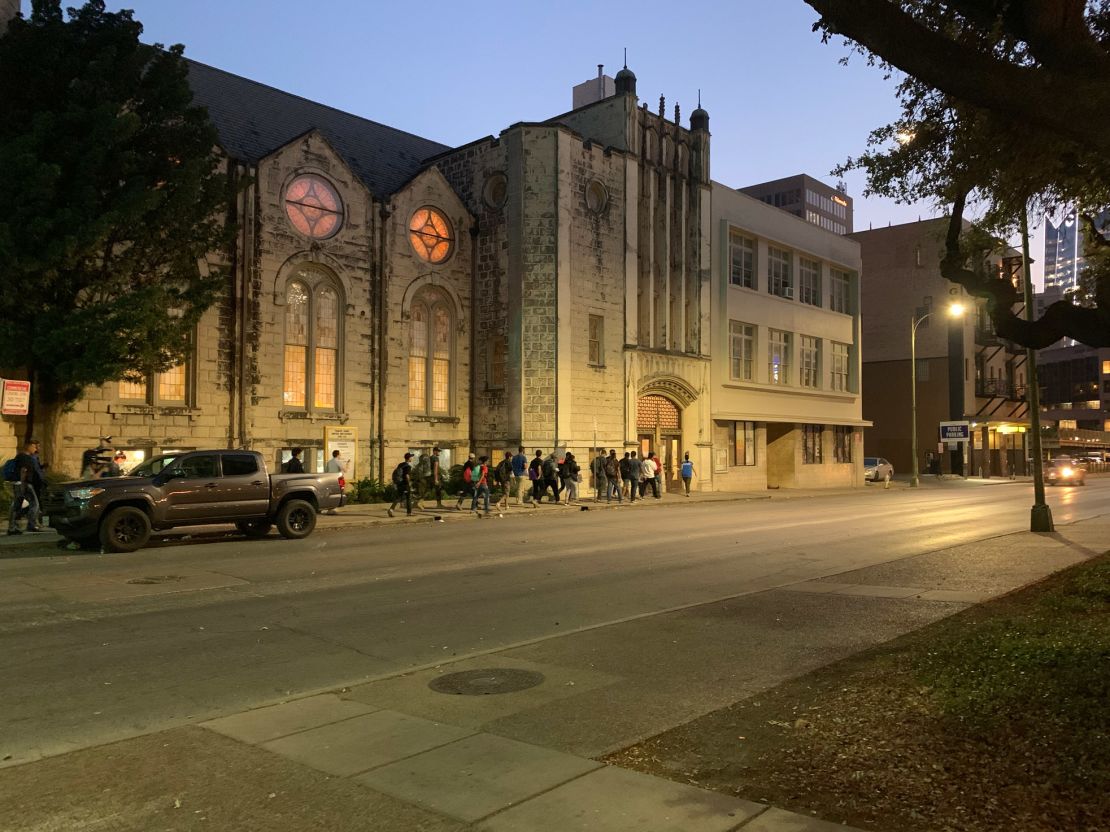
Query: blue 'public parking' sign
{"type": "Point", "coordinates": [955, 431]}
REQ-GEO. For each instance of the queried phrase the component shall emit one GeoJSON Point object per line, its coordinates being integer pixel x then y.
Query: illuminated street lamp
{"type": "Point", "coordinates": [955, 310]}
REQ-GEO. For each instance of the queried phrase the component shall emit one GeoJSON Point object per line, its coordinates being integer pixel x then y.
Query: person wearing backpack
{"type": "Point", "coordinates": [434, 481]}
{"type": "Point", "coordinates": [571, 475]}
{"type": "Point", "coordinates": [26, 485]}
{"type": "Point", "coordinates": [468, 481]}
{"type": "Point", "coordinates": [480, 478]}
{"type": "Point", "coordinates": [551, 477]}
{"type": "Point", "coordinates": [402, 482]}
{"type": "Point", "coordinates": [687, 472]}
{"type": "Point", "coordinates": [613, 477]}
{"type": "Point", "coordinates": [421, 469]}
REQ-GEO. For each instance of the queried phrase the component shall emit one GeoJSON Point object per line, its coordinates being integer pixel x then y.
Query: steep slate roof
{"type": "Point", "coordinates": [254, 120]}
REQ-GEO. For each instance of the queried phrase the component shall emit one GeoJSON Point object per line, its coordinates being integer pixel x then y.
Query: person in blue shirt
{"type": "Point", "coordinates": [520, 471]}
{"type": "Point", "coordinates": [687, 473]}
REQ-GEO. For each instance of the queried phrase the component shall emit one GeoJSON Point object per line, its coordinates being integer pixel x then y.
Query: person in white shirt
{"type": "Point", "coordinates": [650, 467]}
{"type": "Point", "coordinates": [334, 466]}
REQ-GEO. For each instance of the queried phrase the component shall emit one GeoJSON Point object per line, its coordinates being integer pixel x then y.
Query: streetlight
{"type": "Point", "coordinates": [955, 310]}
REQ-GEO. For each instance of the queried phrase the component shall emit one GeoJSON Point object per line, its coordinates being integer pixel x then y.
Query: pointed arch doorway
{"type": "Point", "coordinates": [659, 430]}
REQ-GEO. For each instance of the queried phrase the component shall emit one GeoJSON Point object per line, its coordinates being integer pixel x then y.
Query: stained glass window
{"type": "Point", "coordinates": [430, 235]}
{"type": "Point", "coordinates": [418, 359]}
{"type": "Point", "coordinates": [327, 347]}
{"type": "Point", "coordinates": [313, 206]}
{"type": "Point", "coordinates": [441, 362]}
{"type": "Point", "coordinates": [431, 350]}
{"type": "Point", "coordinates": [296, 342]}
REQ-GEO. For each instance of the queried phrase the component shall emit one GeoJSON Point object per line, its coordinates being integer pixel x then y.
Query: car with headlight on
{"type": "Point", "coordinates": [877, 469]}
{"type": "Point", "coordinates": [1064, 472]}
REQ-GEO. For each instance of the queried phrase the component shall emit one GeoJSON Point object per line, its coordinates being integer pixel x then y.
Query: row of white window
{"type": "Point", "coordinates": [742, 444]}
{"type": "Point", "coordinates": [779, 277]}
{"type": "Point", "coordinates": [780, 359]}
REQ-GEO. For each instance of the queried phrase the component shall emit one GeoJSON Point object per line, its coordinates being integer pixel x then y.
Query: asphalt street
{"type": "Point", "coordinates": [96, 648]}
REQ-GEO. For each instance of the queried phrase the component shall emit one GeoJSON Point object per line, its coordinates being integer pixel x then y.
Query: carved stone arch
{"type": "Point", "coordinates": [672, 387]}
{"type": "Point", "coordinates": [314, 259]}
{"type": "Point", "coordinates": [435, 281]}
{"type": "Point", "coordinates": [666, 158]}
{"type": "Point", "coordinates": [682, 159]}
{"type": "Point", "coordinates": [651, 146]}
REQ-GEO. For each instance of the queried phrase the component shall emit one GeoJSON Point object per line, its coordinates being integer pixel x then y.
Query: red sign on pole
{"type": "Point", "coordinates": [16, 397]}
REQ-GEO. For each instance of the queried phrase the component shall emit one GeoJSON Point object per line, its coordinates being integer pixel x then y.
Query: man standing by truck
{"type": "Point", "coordinates": [26, 487]}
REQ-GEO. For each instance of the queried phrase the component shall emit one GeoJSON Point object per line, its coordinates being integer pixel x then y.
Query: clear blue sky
{"type": "Point", "coordinates": [779, 101]}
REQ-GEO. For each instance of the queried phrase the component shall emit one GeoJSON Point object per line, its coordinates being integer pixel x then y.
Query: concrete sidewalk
{"type": "Point", "coordinates": [511, 739]}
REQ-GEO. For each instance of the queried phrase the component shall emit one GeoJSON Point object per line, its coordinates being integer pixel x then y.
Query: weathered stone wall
{"type": "Point", "coordinates": [279, 250]}
{"type": "Point", "coordinates": [407, 276]}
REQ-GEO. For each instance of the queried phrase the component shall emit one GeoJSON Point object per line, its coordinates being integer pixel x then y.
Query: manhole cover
{"type": "Point", "coordinates": [486, 682]}
{"type": "Point", "coordinates": [156, 579]}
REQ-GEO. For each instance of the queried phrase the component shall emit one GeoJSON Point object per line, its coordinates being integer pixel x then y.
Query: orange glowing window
{"type": "Point", "coordinates": [313, 207]}
{"type": "Point", "coordinates": [430, 235]}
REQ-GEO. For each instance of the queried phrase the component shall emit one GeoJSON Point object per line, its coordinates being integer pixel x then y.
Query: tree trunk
{"type": "Point", "coordinates": [47, 428]}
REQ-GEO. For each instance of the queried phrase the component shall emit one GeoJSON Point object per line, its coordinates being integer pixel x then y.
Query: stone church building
{"type": "Point", "coordinates": [548, 287]}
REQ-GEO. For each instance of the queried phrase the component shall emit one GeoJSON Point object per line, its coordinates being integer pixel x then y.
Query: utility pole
{"type": "Point", "coordinates": [1040, 516]}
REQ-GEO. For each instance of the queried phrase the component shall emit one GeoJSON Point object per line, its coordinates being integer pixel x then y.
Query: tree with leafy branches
{"type": "Point", "coordinates": [1005, 109]}
{"type": "Point", "coordinates": [115, 194]}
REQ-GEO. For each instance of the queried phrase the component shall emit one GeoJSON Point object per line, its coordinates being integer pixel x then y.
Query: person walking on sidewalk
{"type": "Point", "coordinates": [687, 473]}
{"type": "Point", "coordinates": [402, 482]}
{"type": "Point", "coordinates": [651, 473]}
{"type": "Point", "coordinates": [551, 477]}
{"type": "Point", "coordinates": [535, 475]}
{"type": "Point", "coordinates": [635, 474]}
{"type": "Point", "coordinates": [434, 480]}
{"type": "Point", "coordinates": [571, 475]}
{"type": "Point", "coordinates": [613, 477]}
{"type": "Point", "coordinates": [658, 477]}
{"type": "Point", "coordinates": [522, 492]}
{"type": "Point", "coordinates": [467, 489]}
{"type": "Point", "coordinates": [504, 478]}
{"type": "Point", "coordinates": [335, 466]}
{"type": "Point", "coordinates": [480, 478]}
{"type": "Point", "coordinates": [25, 489]}
{"type": "Point", "coordinates": [626, 475]}
{"type": "Point", "coordinates": [597, 471]}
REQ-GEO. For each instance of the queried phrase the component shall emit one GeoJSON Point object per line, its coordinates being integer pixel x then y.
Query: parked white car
{"type": "Point", "coordinates": [877, 469]}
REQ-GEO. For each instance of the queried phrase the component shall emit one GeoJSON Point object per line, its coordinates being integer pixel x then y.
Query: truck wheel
{"type": "Point", "coordinates": [125, 529]}
{"type": "Point", "coordinates": [296, 519]}
{"type": "Point", "coordinates": [254, 528]}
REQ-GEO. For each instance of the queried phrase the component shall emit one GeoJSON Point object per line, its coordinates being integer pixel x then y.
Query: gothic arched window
{"type": "Point", "coordinates": [313, 331]}
{"type": "Point", "coordinates": [431, 354]}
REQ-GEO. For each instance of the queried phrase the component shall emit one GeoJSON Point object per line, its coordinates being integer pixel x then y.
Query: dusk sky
{"type": "Point", "coordinates": [779, 101]}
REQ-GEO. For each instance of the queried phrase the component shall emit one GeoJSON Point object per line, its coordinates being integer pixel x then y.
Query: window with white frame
{"type": "Point", "coordinates": [840, 291]}
{"type": "Point", "coordinates": [809, 361]}
{"type": "Point", "coordinates": [839, 378]}
{"type": "Point", "coordinates": [811, 444]}
{"type": "Point", "coordinates": [778, 356]}
{"type": "Point", "coordinates": [780, 277]}
{"type": "Point", "coordinates": [742, 351]}
{"type": "Point", "coordinates": [312, 334]}
{"type": "Point", "coordinates": [431, 354]}
{"type": "Point", "coordinates": [842, 443]}
{"type": "Point", "coordinates": [742, 260]}
{"type": "Point", "coordinates": [809, 281]}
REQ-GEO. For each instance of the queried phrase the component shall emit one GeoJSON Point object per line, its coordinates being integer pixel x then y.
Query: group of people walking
{"type": "Point", "coordinates": [530, 481]}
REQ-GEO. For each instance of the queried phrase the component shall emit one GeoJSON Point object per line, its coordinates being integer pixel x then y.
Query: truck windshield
{"type": "Point", "coordinates": [152, 466]}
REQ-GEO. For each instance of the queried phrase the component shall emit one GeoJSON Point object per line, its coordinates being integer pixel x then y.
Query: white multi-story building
{"type": "Point", "coordinates": [786, 404]}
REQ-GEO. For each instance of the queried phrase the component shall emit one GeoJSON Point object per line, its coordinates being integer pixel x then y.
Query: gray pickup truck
{"type": "Point", "coordinates": [190, 489]}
